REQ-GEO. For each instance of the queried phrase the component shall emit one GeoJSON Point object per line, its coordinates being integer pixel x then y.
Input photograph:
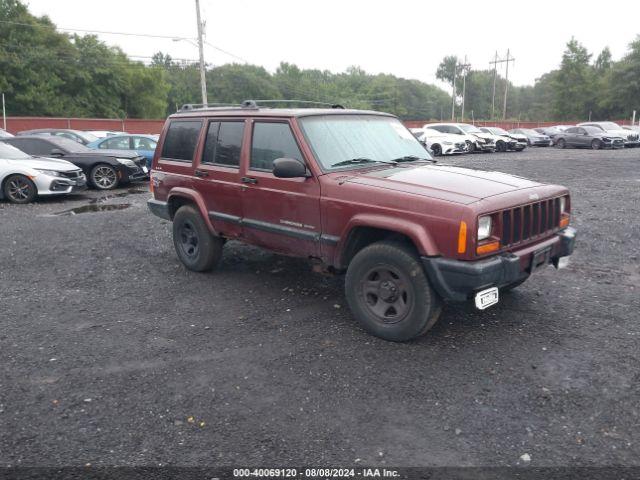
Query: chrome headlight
{"type": "Point", "coordinates": [484, 228]}
{"type": "Point", "coordinates": [563, 204]}
{"type": "Point", "coordinates": [51, 173]}
{"type": "Point", "coordinates": [127, 162]}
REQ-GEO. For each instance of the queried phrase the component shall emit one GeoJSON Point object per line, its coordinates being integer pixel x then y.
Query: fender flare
{"type": "Point", "coordinates": [417, 233]}
{"type": "Point", "coordinates": [196, 198]}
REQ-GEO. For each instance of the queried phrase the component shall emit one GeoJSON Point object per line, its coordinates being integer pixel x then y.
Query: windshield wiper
{"type": "Point", "coordinates": [413, 158]}
{"type": "Point", "coordinates": [355, 161]}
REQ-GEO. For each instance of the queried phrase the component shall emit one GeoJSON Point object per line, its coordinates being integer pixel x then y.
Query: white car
{"type": "Point", "coordinates": [476, 140]}
{"type": "Point", "coordinates": [440, 143]}
{"type": "Point", "coordinates": [23, 177]}
{"type": "Point", "coordinates": [105, 133]}
{"type": "Point", "coordinates": [631, 139]}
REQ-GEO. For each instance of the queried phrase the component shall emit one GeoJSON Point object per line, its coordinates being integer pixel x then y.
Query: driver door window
{"type": "Point", "coordinates": [271, 141]}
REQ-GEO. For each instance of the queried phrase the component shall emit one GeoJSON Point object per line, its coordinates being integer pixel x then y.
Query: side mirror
{"type": "Point", "coordinates": [56, 152]}
{"type": "Point", "coordinates": [289, 168]}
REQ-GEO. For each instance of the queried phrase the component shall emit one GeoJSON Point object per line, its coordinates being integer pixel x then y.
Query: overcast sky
{"type": "Point", "coordinates": [407, 38]}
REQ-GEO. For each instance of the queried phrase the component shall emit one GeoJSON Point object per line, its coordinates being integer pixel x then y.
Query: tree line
{"type": "Point", "coordinates": [47, 73]}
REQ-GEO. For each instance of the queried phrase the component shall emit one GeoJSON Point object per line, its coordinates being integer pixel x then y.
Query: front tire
{"type": "Point", "coordinates": [437, 150]}
{"type": "Point", "coordinates": [104, 177]}
{"type": "Point", "coordinates": [501, 147]}
{"type": "Point", "coordinates": [389, 293]}
{"type": "Point", "coordinates": [561, 143]}
{"type": "Point", "coordinates": [19, 189]}
{"type": "Point", "coordinates": [596, 144]}
{"type": "Point", "coordinates": [195, 246]}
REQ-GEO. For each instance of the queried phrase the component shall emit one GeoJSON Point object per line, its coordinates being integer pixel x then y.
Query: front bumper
{"type": "Point", "coordinates": [50, 185]}
{"type": "Point", "coordinates": [139, 172]}
{"type": "Point", "coordinates": [631, 143]}
{"type": "Point", "coordinates": [458, 281]}
{"type": "Point", "coordinates": [159, 208]}
{"type": "Point", "coordinates": [486, 147]}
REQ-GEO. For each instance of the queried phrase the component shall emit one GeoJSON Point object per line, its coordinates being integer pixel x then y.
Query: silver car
{"type": "Point", "coordinates": [23, 177]}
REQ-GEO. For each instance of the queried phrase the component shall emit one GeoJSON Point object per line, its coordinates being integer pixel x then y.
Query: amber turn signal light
{"type": "Point", "coordinates": [564, 221]}
{"type": "Point", "coordinates": [462, 238]}
{"type": "Point", "coordinates": [488, 247]}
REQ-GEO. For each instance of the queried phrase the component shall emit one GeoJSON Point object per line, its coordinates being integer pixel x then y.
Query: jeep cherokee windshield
{"type": "Point", "coordinates": [343, 141]}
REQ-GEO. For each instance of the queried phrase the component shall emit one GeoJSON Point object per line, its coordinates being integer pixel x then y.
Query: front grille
{"type": "Point", "coordinates": [73, 174]}
{"type": "Point", "coordinates": [527, 222]}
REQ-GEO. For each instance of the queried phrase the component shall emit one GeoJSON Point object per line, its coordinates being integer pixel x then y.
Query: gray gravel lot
{"type": "Point", "coordinates": [111, 353]}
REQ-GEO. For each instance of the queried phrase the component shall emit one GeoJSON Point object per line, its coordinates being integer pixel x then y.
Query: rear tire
{"type": "Point", "coordinates": [19, 189]}
{"type": "Point", "coordinates": [389, 293]}
{"type": "Point", "coordinates": [195, 246]}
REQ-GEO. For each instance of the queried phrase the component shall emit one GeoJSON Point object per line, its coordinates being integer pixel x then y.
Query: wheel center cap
{"type": "Point", "coordinates": [388, 291]}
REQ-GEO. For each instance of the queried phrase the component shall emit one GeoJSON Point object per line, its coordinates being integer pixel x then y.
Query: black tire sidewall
{"type": "Point", "coordinates": [209, 246]}
{"type": "Point", "coordinates": [437, 150]}
{"type": "Point", "coordinates": [561, 143]}
{"type": "Point", "coordinates": [425, 309]}
{"type": "Point", "coordinates": [595, 144]}
{"type": "Point", "coordinates": [33, 190]}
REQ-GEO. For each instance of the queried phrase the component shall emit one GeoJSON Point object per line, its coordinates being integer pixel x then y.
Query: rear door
{"type": "Point", "coordinates": [282, 214]}
{"type": "Point", "coordinates": [175, 165]}
{"type": "Point", "coordinates": [217, 174]}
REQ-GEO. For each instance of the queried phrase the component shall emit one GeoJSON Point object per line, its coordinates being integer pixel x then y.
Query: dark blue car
{"type": "Point", "coordinates": [144, 145]}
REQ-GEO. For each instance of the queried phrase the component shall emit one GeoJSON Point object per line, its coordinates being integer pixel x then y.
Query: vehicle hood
{"type": "Point", "coordinates": [487, 136]}
{"type": "Point", "coordinates": [518, 136]}
{"type": "Point", "coordinates": [45, 164]}
{"type": "Point", "coordinates": [627, 134]}
{"type": "Point", "coordinates": [454, 184]}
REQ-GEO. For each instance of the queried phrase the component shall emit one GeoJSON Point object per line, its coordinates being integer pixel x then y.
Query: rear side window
{"type": "Point", "coordinates": [33, 146]}
{"type": "Point", "coordinates": [181, 140]}
{"type": "Point", "coordinates": [223, 145]}
{"type": "Point", "coordinates": [272, 141]}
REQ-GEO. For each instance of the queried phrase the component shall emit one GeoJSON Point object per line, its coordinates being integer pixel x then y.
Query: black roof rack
{"type": "Point", "coordinates": [302, 102]}
{"type": "Point", "coordinates": [251, 104]}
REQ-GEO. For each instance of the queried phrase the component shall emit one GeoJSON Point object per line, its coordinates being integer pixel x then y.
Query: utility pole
{"type": "Point", "coordinates": [465, 68]}
{"type": "Point", "coordinates": [203, 78]}
{"type": "Point", "coordinates": [506, 85]}
{"type": "Point", "coordinates": [453, 92]}
{"type": "Point", "coordinates": [495, 75]}
{"type": "Point", "coordinates": [4, 113]}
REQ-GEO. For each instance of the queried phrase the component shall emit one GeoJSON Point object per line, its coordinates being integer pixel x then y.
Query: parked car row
{"type": "Point", "coordinates": [142, 144]}
{"type": "Point", "coordinates": [593, 135]}
{"type": "Point", "coordinates": [32, 165]}
{"type": "Point", "coordinates": [457, 138]}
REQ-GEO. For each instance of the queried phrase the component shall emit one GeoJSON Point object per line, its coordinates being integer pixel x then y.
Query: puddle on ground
{"type": "Point", "coordinates": [92, 208]}
{"type": "Point", "coordinates": [131, 191]}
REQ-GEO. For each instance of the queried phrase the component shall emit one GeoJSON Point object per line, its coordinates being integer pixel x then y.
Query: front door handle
{"type": "Point", "coordinates": [249, 180]}
{"type": "Point", "coordinates": [201, 173]}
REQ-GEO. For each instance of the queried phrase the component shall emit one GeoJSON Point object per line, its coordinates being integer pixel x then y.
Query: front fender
{"type": "Point", "coordinates": [417, 233]}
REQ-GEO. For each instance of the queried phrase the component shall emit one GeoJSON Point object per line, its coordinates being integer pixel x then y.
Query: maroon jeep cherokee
{"type": "Point", "coordinates": [356, 192]}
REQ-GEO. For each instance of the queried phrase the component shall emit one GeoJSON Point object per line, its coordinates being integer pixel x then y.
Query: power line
{"type": "Point", "coordinates": [130, 34]}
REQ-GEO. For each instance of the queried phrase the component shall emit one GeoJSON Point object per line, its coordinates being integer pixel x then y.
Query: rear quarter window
{"type": "Point", "coordinates": [181, 140]}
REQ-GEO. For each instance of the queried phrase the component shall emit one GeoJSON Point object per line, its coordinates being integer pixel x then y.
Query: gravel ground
{"type": "Point", "coordinates": [111, 353]}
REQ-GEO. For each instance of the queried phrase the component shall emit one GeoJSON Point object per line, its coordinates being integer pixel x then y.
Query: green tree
{"type": "Point", "coordinates": [574, 95]}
